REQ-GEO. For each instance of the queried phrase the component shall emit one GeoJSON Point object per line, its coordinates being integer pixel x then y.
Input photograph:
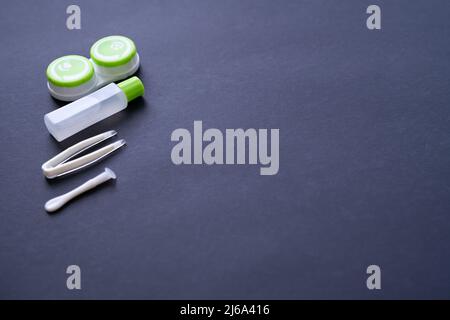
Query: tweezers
{"type": "Point", "coordinates": [61, 164]}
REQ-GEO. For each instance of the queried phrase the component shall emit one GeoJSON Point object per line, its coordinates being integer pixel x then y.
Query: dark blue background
{"type": "Point", "coordinates": [364, 178]}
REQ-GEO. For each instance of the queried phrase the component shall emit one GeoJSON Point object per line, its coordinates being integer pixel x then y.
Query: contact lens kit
{"type": "Point", "coordinates": [88, 84]}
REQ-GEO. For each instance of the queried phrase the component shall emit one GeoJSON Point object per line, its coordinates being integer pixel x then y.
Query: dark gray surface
{"type": "Point", "coordinates": [364, 153]}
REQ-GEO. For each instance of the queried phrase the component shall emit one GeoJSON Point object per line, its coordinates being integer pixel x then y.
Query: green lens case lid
{"type": "Point", "coordinates": [70, 71]}
{"type": "Point", "coordinates": [113, 51]}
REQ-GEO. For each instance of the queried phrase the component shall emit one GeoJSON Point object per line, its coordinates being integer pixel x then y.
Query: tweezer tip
{"type": "Point", "coordinates": [110, 133]}
{"type": "Point", "coordinates": [117, 144]}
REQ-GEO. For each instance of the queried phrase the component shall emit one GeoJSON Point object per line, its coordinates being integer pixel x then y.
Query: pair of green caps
{"type": "Point", "coordinates": [112, 59]}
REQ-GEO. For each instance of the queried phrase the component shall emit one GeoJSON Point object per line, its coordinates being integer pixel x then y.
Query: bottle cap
{"type": "Point", "coordinates": [70, 71]}
{"type": "Point", "coordinates": [113, 51]}
{"type": "Point", "coordinates": [132, 88]}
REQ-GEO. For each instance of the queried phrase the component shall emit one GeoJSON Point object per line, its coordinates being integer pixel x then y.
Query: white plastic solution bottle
{"type": "Point", "coordinates": [84, 112]}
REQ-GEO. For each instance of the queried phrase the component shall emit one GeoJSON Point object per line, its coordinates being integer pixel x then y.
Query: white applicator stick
{"type": "Point", "coordinates": [56, 203]}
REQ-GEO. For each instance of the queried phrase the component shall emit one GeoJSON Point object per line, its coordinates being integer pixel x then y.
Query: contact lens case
{"type": "Point", "coordinates": [112, 58]}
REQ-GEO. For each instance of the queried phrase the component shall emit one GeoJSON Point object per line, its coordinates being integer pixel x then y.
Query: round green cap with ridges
{"type": "Point", "coordinates": [132, 88]}
{"type": "Point", "coordinates": [70, 71]}
{"type": "Point", "coordinates": [113, 51]}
